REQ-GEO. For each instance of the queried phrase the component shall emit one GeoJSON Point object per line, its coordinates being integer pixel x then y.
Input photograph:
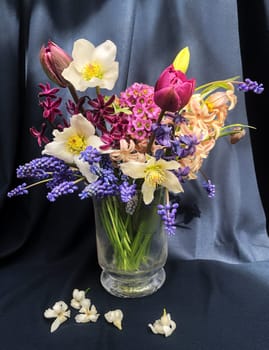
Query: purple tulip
{"type": "Point", "coordinates": [54, 60]}
{"type": "Point", "coordinates": [173, 90]}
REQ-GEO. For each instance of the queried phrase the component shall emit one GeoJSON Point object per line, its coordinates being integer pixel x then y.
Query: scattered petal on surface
{"type": "Point", "coordinates": [78, 296]}
{"type": "Point", "coordinates": [88, 312]}
{"type": "Point", "coordinates": [115, 317]}
{"type": "Point", "coordinates": [164, 325]}
{"type": "Point", "coordinates": [60, 312]}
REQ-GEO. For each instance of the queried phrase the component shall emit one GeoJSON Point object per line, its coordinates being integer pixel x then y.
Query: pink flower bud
{"type": "Point", "coordinates": [54, 60]}
{"type": "Point", "coordinates": [173, 90]}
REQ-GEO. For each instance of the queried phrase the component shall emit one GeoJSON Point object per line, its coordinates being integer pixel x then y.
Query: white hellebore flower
{"type": "Point", "coordinates": [68, 144]}
{"type": "Point", "coordinates": [60, 312]}
{"type": "Point", "coordinates": [78, 296]}
{"type": "Point", "coordinates": [115, 317]}
{"type": "Point", "coordinates": [164, 325]}
{"type": "Point", "coordinates": [88, 312]}
{"type": "Point", "coordinates": [92, 66]}
{"type": "Point", "coordinates": [155, 172]}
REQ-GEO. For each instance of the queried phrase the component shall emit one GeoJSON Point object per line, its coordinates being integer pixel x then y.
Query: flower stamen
{"type": "Point", "coordinates": [92, 70]}
{"type": "Point", "coordinates": [76, 144]}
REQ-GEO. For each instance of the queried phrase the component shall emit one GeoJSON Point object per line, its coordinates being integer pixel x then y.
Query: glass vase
{"type": "Point", "coordinates": [131, 245]}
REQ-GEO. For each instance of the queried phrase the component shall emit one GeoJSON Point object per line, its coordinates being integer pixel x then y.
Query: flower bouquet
{"type": "Point", "coordinates": [127, 152]}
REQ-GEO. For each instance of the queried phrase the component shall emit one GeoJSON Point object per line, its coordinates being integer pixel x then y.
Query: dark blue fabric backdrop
{"type": "Point", "coordinates": [47, 249]}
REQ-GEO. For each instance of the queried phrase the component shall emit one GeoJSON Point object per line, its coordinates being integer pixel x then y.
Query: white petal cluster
{"type": "Point", "coordinates": [87, 312]}
{"type": "Point", "coordinates": [164, 325]}
{"type": "Point", "coordinates": [60, 312]}
{"type": "Point", "coordinates": [115, 317]}
{"type": "Point", "coordinates": [78, 296]}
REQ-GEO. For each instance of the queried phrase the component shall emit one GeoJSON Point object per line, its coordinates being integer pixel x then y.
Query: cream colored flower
{"type": "Point", "coordinates": [155, 172]}
{"type": "Point", "coordinates": [92, 66]}
{"type": "Point", "coordinates": [115, 317]}
{"type": "Point", "coordinates": [68, 144]}
{"type": "Point", "coordinates": [78, 296]}
{"type": "Point", "coordinates": [60, 312]}
{"type": "Point", "coordinates": [127, 152]}
{"type": "Point", "coordinates": [164, 325]}
{"type": "Point", "coordinates": [88, 312]}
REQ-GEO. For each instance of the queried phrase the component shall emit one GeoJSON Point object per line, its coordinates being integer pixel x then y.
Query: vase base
{"type": "Point", "coordinates": [132, 286]}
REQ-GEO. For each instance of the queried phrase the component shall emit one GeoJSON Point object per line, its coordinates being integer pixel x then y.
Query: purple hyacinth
{"type": "Point", "coordinates": [18, 191]}
{"type": "Point", "coordinates": [249, 85]}
{"type": "Point", "coordinates": [168, 215]}
{"type": "Point", "coordinates": [66, 187]}
{"type": "Point", "coordinates": [162, 134]}
{"type": "Point", "coordinates": [210, 188]}
{"type": "Point", "coordinates": [185, 145]}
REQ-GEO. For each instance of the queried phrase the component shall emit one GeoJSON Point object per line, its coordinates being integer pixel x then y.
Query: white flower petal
{"type": "Point", "coordinates": [82, 53]}
{"type": "Point", "coordinates": [135, 170]}
{"type": "Point", "coordinates": [82, 318]}
{"type": "Point", "coordinates": [148, 192]}
{"type": "Point", "coordinates": [105, 53]}
{"type": "Point", "coordinates": [49, 313]}
{"type": "Point", "coordinates": [172, 183]}
{"type": "Point", "coordinates": [82, 125]}
{"type": "Point", "coordinates": [115, 317]}
{"type": "Point", "coordinates": [55, 325]}
{"type": "Point", "coordinates": [84, 168]}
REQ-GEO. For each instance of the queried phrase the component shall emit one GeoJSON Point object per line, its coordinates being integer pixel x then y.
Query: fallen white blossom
{"type": "Point", "coordinates": [78, 296]}
{"type": "Point", "coordinates": [115, 317]}
{"type": "Point", "coordinates": [164, 325]}
{"type": "Point", "coordinates": [60, 312]}
{"type": "Point", "coordinates": [88, 312]}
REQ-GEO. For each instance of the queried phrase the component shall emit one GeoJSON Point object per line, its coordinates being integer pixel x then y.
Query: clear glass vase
{"type": "Point", "coordinates": [131, 245]}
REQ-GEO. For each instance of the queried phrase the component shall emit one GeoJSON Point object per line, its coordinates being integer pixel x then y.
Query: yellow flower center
{"type": "Point", "coordinates": [155, 175]}
{"type": "Point", "coordinates": [210, 106]}
{"type": "Point", "coordinates": [92, 70]}
{"type": "Point", "coordinates": [76, 143]}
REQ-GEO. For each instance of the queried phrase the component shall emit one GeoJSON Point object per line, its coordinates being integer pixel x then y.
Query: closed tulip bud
{"type": "Point", "coordinates": [173, 90]}
{"type": "Point", "coordinates": [237, 135]}
{"type": "Point", "coordinates": [54, 60]}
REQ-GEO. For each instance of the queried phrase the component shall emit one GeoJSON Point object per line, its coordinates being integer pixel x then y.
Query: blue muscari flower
{"type": "Point", "coordinates": [18, 191]}
{"type": "Point", "coordinates": [40, 167]}
{"type": "Point", "coordinates": [249, 85]}
{"type": "Point", "coordinates": [127, 191]}
{"type": "Point", "coordinates": [168, 215]}
{"type": "Point", "coordinates": [210, 188]}
{"type": "Point", "coordinates": [66, 187]}
{"type": "Point", "coordinates": [58, 177]}
{"type": "Point", "coordinates": [90, 155]}
{"type": "Point", "coordinates": [105, 185]}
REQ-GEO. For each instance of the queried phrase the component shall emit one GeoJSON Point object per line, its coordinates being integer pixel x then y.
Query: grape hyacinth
{"type": "Point", "coordinates": [210, 188]}
{"type": "Point", "coordinates": [249, 85]}
{"type": "Point", "coordinates": [18, 191]}
{"type": "Point", "coordinates": [127, 191]}
{"type": "Point", "coordinates": [168, 215]}
{"type": "Point", "coordinates": [66, 187]}
{"type": "Point", "coordinates": [90, 155]}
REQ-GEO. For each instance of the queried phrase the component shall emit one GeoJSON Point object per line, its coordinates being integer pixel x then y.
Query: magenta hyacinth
{"type": "Point", "coordinates": [173, 90]}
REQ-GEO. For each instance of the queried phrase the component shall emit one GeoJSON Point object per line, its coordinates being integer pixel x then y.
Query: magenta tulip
{"type": "Point", "coordinates": [173, 90]}
{"type": "Point", "coordinates": [54, 60]}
